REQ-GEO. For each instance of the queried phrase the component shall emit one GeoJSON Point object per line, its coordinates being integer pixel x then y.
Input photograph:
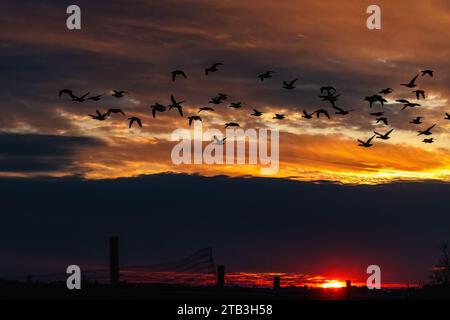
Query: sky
{"type": "Point", "coordinates": [308, 207]}
{"type": "Point", "coordinates": [135, 47]}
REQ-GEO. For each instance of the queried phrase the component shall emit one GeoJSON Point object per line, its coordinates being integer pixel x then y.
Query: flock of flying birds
{"type": "Point", "coordinates": [327, 93]}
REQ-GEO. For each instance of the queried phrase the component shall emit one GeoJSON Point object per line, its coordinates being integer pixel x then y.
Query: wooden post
{"type": "Point", "coordinates": [276, 283]}
{"type": "Point", "coordinates": [114, 260]}
{"type": "Point", "coordinates": [220, 276]}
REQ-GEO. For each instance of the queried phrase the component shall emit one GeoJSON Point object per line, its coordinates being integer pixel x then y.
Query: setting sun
{"type": "Point", "coordinates": [333, 284]}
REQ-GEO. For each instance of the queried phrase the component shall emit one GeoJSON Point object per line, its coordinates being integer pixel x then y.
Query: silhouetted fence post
{"type": "Point", "coordinates": [349, 287]}
{"type": "Point", "coordinates": [114, 260]}
{"type": "Point", "coordinates": [220, 276]}
{"type": "Point", "coordinates": [276, 283]}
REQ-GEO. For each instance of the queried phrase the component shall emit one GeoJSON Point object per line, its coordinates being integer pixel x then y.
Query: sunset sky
{"type": "Point", "coordinates": [344, 210]}
{"type": "Point", "coordinates": [135, 47]}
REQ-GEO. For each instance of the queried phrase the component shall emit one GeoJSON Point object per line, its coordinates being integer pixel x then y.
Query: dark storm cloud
{"type": "Point", "coordinates": [252, 224]}
{"type": "Point", "coordinates": [28, 153]}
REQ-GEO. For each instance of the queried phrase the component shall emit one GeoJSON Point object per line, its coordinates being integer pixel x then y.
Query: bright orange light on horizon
{"type": "Point", "coordinates": [333, 284]}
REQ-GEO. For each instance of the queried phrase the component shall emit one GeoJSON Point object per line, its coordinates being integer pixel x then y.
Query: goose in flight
{"type": "Point", "coordinates": [427, 72]}
{"type": "Point", "coordinates": [74, 97]}
{"type": "Point", "coordinates": [115, 111]}
{"type": "Point", "coordinates": [411, 84]}
{"type": "Point", "coordinates": [384, 136]}
{"type": "Point", "coordinates": [430, 140]}
{"type": "Point", "coordinates": [383, 119]}
{"type": "Point", "coordinates": [426, 132]}
{"type": "Point", "coordinates": [322, 111]}
{"type": "Point", "coordinates": [447, 116]}
{"type": "Point", "coordinates": [307, 115]}
{"type": "Point", "coordinates": [135, 119]}
{"type": "Point", "coordinates": [342, 111]}
{"type": "Point", "coordinates": [215, 100]}
{"type": "Point", "coordinates": [231, 124]}
{"type": "Point", "coordinates": [265, 75]}
{"type": "Point", "coordinates": [205, 109]}
{"type": "Point", "coordinates": [176, 73]}
{"type": "Point", "coordinates": [402, 101]}
{"type": "Point", "coordinates": [176, 105]}
{"type": "Point", "coordinates": [419, 93]}
{"type": "Point", "coordinates": [222, 96]}
{"type": "Point", "coordinates": [218, 141]}
{"type": "Point", "coordinates": [97, 97]}
{"type": "Point", "coordinates": [329, 89]}
{"type": "Point", "coordinates": [66, 91]}
{"type": "Point", "coordinates": [99, 116]}
{"type": "Point", "coordinates": [377, 114]}
{"type": "Point", "coordinates": [279, 116]}
{"type": "Point", "coordinates": [118, 93]}
{"type": "Point", "coordinates": [330, 98]}
{"type": "Point", "coordinates": [375, 98]}
{"type": "Point", "coordinates": [157, 107]}
{"type": "Point", "coordinates": [410, 105]}
{"type": "Point", "coordinates": [235, 105]}
{"type": "Point", "coordinates": [213, 68]}
{"type": "Point", "coordinates": [194, 118]}
{"type": "Point", "coordinates": [256, 113]}
{"type": "Point", "coordinates": [386, 91]}
{"type": "Point", "coordinates": [366, 144]}
{"type": "Point", "coordinates": [417, 120]}
{"type": "Point", "coordinates": [289, 85]}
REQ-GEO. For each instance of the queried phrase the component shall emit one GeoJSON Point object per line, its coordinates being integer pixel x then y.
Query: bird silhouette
{"type": "Point", "coordinates": [382, 119]}
{"type": "Point", "coordinates": [430, 140]}
{"type": "Point", "coordinates": [289, 85]}
{"type": "Point", "coordinates": [256, 113]}
{"type": "Point", "coordinates": [366, 144]}
{"type": "Point", "coordinates": [384, 136]}
{"type": "Point", "coordinates": [157, 107]}
{"type": "Point", "coordinates": [218, 141]}
{"type": "Point", "coordinates": [222, 96]}
{"type": "Point", "coordinates": [135, 119]}
{"type": "Point", "coordinates": [377, 114]}
{"type": "Point", "coordinates": [176, 105]}
{"type": "Point", "coordinates": [330, 97]}
{"type": "Point", "coordinates": [279, 116]}
{"type": "Point", "coordinates": [386, 91]}
{"type": "Point", "coordinates": [194, 118]}
{"type": "Point", "coordinates": [99, 116]}
{"type": "Point", "coordinates": [419, 93]}
{"type": "Point", "coordinates": [115, 111]}
{"type": "Point", "coordinates": [97, 97]}
{"type": "Point", "coordinates": [417, 120]}
{"type": "Point", "coordinates": [410, 105]}
{"type": "Point", "coordinates": [74, 97]}
{"type": "Point", "coordinates": [447, 116]}
{"type": "Point", "coordinates": [322, 111]}
{"type": "Point", "coordinates": [375, 98]}
{"type": "Point", "coordinates": [265, 75]}
{"type": "Point", "coordinates": [411, 84]}
{"type": "Point", "coordinates": [215, 100]}
{"type": "Point", "coordinates": [213, 68]}
{"type": "Point", "coordinates": [235, 105]}
{"type": "Point", "coordinates": [329, 89]}
{"type": "Point", "coordinates": [426, 132]}
{"type": "Point", "coordinates": [66, 91]}
{"type": "Point", "coordinates": [342, 111]}
{"type": "Point", "coordinates": [307, 115]}
{"type": "Point", "coordinates": [118, 93]}
{"type": "Point", "coordinates": [205, 109]}
{"type": "Point", "coordinates": [231, 124]}
{"type": "Point", "coordinates": [402, 101]}
{"type": "Point", "coordinates": [176, 73]}
{"type": "Point", "coordinates": [427, 72]}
